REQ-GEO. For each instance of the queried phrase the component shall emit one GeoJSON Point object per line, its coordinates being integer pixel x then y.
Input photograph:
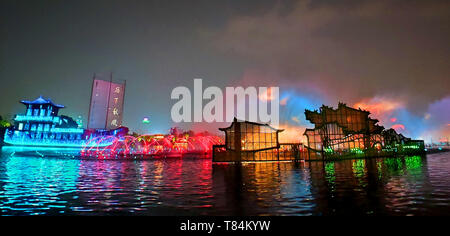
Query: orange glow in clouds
{"type": "Point", "coordinates": [267, 96]}
{"type": "Point", "coordinates": [379, 106]}
{"type": "Point", "coordinates": [382, 109]}
{"type": "Point", "coordinates": [291, 134]}
{"type": "Point", "coordinates": [398, 127]}
{"type": "Point", "coordinates": [283, 102]}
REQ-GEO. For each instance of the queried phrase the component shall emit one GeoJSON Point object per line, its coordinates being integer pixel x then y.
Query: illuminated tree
{"type": "Point", "coordinates": [4, 123]}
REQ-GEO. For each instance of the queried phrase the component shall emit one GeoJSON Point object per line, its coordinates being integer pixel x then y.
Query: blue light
{"type": "Point", "coordinates": [37, 128]}
{"type": "Point", "coordinates": [15, 149]}
{"type": "Point", "coordinates": [67, 130]}
{"type": "Point", "coordinates": [22, 140]}
{"type": "Point", "coordinates": [54, 119]}
{"type": "Point", "coordinates": [39, 188]}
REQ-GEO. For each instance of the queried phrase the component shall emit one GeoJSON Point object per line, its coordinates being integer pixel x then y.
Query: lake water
{"type": "Point", "coordinates": [66, 185]}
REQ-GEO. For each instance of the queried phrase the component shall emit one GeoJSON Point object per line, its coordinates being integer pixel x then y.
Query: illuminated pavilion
{"type": "Point", "coordinates": [347, 131]}
{"type": "Point", "coordinates": [250, 141]}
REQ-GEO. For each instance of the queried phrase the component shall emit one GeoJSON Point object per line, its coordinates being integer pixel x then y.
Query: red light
{"type": "Point", "coordinates": [151, 146]}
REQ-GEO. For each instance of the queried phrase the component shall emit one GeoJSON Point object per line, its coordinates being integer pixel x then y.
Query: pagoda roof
{"type": "Point", "coordinates": [41, 101]}
{"type": "Point", "coordinates": [249, 122]}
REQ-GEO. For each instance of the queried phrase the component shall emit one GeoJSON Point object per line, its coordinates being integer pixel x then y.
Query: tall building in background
{"type": "Point", "coordinates": [106, 107]}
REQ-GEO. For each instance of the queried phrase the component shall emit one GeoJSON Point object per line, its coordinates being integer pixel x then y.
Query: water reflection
{"type": "Point", "coordinates": [34, 185]}
{"type": "Point", "coordinates": [263, 189]}
{"type": "Point", "coordinates": [145, 187]}
{"type": "Point", "coordinates": [412, 185]}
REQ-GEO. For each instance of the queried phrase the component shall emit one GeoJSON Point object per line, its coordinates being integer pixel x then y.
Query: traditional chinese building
{"type": "Point", "coordinates": [250, 141]}
{"type": "Point", "coordinates": [42, 126]}
{"type": "Point", "coordinates": [347, 131]}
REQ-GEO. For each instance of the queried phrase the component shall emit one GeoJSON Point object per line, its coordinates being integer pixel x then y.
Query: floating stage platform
{"type": "Point", "coordinates": [342, 133]}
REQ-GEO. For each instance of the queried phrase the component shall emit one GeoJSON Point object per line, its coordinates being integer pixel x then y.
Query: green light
{"type": "Point", "coordinates": [357, 151]}
{"type": "Point", "coordinates": [80, 122]}
{"type": "Point", "coordinates": [393, 164]}
{"type": "Point", "coordinates": [4, 124]}
{"type": "Point", "coordinates": [413, 162]}
{"type": "Point", "coordinates": [330, 174]}
{"type": "Point", "coordinates": [380, 169]}
{"type": "Point", "coordinates": [146, 120]}
{"type": "Point", "coordinates": [358, 168]}
{"type": "Point", "coordinates": [329, 150]}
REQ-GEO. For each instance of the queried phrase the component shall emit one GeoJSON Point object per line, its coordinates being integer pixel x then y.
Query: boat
{"type": "Point", "coordinates": [42, 126]}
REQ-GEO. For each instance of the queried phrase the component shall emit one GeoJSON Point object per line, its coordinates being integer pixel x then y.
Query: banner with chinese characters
{"type": "Point", "coordinates": [115, 107]}
{"type": "Point", "coordinates": [106, 107]}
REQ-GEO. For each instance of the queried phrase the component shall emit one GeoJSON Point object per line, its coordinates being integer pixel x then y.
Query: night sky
{"type": "Point", "coordinates": [389, 55]}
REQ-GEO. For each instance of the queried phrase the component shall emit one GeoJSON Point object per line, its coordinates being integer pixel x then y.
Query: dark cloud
{"type": "Point", "coordinates": [351, 49]}
{"type": "Point", "coordinates": [346, 50]}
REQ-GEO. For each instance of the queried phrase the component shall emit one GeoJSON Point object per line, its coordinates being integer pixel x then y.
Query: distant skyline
{"type": "Point", "coordinates": [391, 56]}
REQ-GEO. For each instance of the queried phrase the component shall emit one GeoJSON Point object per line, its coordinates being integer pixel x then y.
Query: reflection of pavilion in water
{"type": "Point", "coordinates": [365, 186]}
{"type": "Point", "coordinates": [262, 188]}
{"type": "Point", "coordinates": [348, 187]}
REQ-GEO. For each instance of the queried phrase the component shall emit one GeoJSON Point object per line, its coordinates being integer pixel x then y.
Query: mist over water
{"type": "Point", "coordinates": [66, 186]}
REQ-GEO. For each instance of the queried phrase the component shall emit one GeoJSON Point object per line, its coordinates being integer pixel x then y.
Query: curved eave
{"type": "Point", "coordinates": [41, 103]}
{"type": "Point", "coordinates": [250, 122]}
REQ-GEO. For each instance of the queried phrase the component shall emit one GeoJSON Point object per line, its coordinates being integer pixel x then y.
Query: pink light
{"type": "Point", "coordinates": [398, 127]}
{"type": "Point", "coordinates": [148, 145]}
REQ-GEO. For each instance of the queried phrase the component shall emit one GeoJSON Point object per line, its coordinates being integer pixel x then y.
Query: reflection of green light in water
{"type": "Point", "coordinates": [393, 164]}
{"type": "Point", "coordinates": [380, 169]}
{"type": "Point", "coordinates": [330, 175]}
{"type": "Point", "coordinates": [358, 167]}
{"type": "Point", "coordinates": [329, 171]}
{"type": "Point", "coordinates": [413, 162]}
